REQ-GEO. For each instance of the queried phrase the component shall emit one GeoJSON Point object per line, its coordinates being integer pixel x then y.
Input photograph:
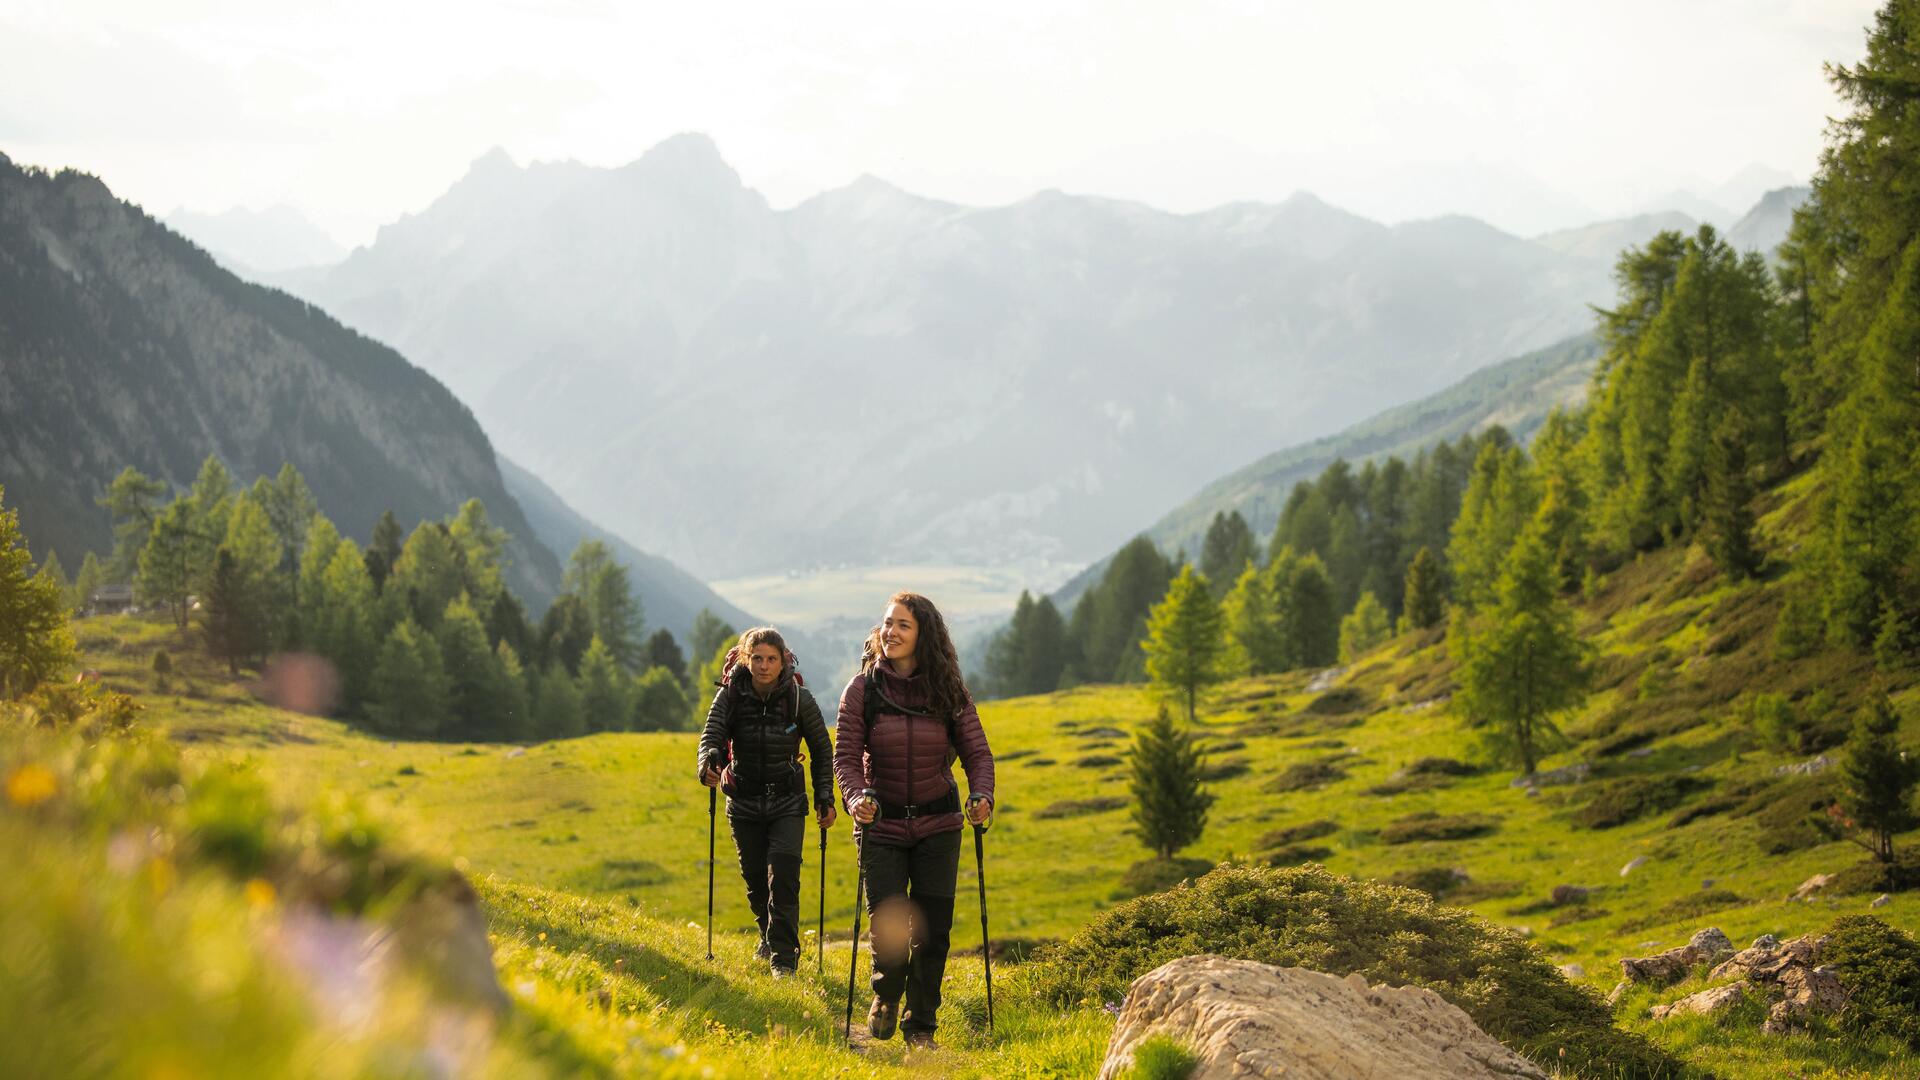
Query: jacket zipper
{"type": "Point", "coordinates": [909, 721]}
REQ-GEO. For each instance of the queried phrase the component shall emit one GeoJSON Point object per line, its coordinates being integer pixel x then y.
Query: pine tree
{"type": "Point", "coordinates": [603, 689]}
{"type": "Point", "coordinates": [507, 621]}
{"type": "Point", "coordinates": [92, 575]}
{"type": "Point", "coordinates": [1229, 544]}
{"type": "Point", "coordinates": [384, 550]}
{"type": "Point", "coordinates": [1878, 779]}
{"type": "Point", "coordinates": [343, 630]}
{"type": "Point", "coordinates": [210, 501]}
{"type": "Point", "coordinates": [317, 549]}
{"type": "Point", "coordinates": [475, 690]}
{"type": "Point", "coordinates": [133, 498]}
{"type": "Point", "coordinates": [1499, 501]}
{"type": "Point", "coordinates": [1309, 622]}
{"type": "Point", "coordinates": [430, 572]}
{"type": "Point", "coordinates": [1426, 593]}
{"type": "Point", "coordinates": [1521, 662]}
{"type": "Point", "coordinates": [606, 588]}
{"type": "Point", "coordinates": [709, 633]}
{"type": "Point", "coordinates": [1169, 805]}
{"type": "Point", "coordinates": [659, 702]}
{"type": "Point", "coordinates": [1726, 520]}
{"type": "Point", "coordinates": [1116, 611]}
{"type": "Point", "coordinates": [35, 643]}
{"type": "Point", "coordinates": [227, 612]}
{"type": "Point", "coordinates": [1185, 639]}
{"type": "Point", "coordinates": [1255, 646]}
{"type": "Point", "coordinates": [516, 704]}
{"type": "Point", "coordinates": [409, 684]}
{"type": "Point", "coordinates": [484, 549]}
{"type": "Point", "coordinates": [557, 704]}
{"type": "Point", "coordinates": [565, 632]}
{"type": "Point", "coordinates": [705, 681]}
{"type": "Point", "coordinates": [662, 651]}
{"type": "Point", "coordinates": [50, 571]}
{"type": "Point", "coordinates": [1364, 627]}
{"type": "Point", "coordinates": [175, 559]}
{"type": "Point", "coordinates": [257, 560]}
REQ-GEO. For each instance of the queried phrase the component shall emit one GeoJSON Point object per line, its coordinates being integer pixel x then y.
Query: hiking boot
{"type": "Point", "coordinates": [921, 1040]}
{"type": "Point", "coordinates": [764, 952]}
{"type": "Point", "coordinates": [881, 1018]}
{"type": "Point", "coordinates": [780, 972]}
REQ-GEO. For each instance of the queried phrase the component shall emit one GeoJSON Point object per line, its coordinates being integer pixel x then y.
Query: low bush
{"type": "Point", "coordinates": [1790, 813]}
{"type": "Point", "coordinates": [1621, 801]}
{"type": "Point", "coordinates": [1304, 776]}
{"type": "Point", "coordinates": [1872, 875]}
{"type": "Point", "coordinates": [1096, 761]}
{"type": "Point", "coordinates": [1308, 917]}
{"type": "Point", "coordinates": [1439, 766]}
{"type": "Point", "coordinates": [1880, 967]}
{"type": "Point", "coordinates": [1436, 881]}
{"type": "Point", "coordinates": [1225, 770]}
{"type": "Point", "coordinates": [1066, 808]}
{"type": "Point", "coordinates": [1431, 826]}
{"type": "Point", "coordinates": [1691, 906]}
{"type": "Point", "coordinates": [1295, 854]}
{"type": "Point", "coordinates": [1340, 701]}
{"type": "Point", "coordinates": [1293, 834]}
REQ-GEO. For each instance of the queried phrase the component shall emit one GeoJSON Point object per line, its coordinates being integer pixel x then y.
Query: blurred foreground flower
{"type": "Point", "coordinates": [30, 785]}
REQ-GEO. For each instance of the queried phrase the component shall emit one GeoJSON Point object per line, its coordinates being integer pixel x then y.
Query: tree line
{"type": "Point", "coordinates": [424, 635]}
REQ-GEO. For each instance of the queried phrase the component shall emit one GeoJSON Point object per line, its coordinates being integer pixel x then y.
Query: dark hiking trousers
{"type": "Point", "coordinates": [910, 898]}
{"type": "Point", "coordinates": [770, 863]}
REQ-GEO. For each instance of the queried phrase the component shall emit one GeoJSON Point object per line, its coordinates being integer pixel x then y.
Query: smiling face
{"type": "Point", "coordinates": [765, 664]}
{"type": "Point", "coordinates": [899, 634]}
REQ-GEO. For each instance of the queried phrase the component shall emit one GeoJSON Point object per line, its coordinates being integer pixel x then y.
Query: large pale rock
{"type": "Point", "coordinates": [1808, 991]}
{"type": "Point", "coordinates": [1811, 886]}
{"type": "Point", "coordinates": [1705, 1003]}
{"type": "Point", "coordinates": [1244, 1019]}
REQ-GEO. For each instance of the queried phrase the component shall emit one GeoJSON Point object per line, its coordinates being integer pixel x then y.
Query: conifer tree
{"type": "Point", "coordinates": [709, 633]}
{"type": "Point", "coordinates": [565, 632]}
{"type": "Point", "coordinates": [662, 651]}
{"type": "Point", "coordinates": [603, 689]}
{"type": "Point", "coordinates": [1309, 622]}
{"type": "Point", "coordinates": [1252, 625]}
{"type": "Point", "coordinates": [92, 575]}
{"type": "Point", "coordinates": [1169, 805]}
{"type": "Point", "coordinates": [343, 629]}
{"type": "Point", "coordinates": [484, 549]}
{"type": "Point", "coordinates": [1499, 501]}
{"type": "Point", "coordinates": [1425, 591]}
{"type": "Point", "coordinates": [1185, 639]}
{"type": "Point", "coordinates": [133, 498]}
{"type": "Point", "coordinates": [210, 501]}
{"type": "Point", "coordinates": [1229, 544]}
{"type": "Point", "coordinates": [1115, 615]}
{"type": "Point", "coordinates": [257, 560]}
{"type": "Point", "coordinates": [475, 690]}
{"type": "Point", "coordinates": [35, 643]}
{"type": "Point", "coordinates": [227, 611]}
{"type": "Point", "coordinates": [384, 549]}
{"type": "Point", "coordinates": [52, 572]}
{"type": "Point", "coordinates": [1364, 627]}
{"type": "Point", "coordinates": [516, 698]}
{"type": "Point", "coordinates": [409, 690]}
{"type": "Point", "coordinates": [605, 587]}
{"type": "Point", "coordinates": [557, 704]}
{"type": "Point", "coordinates": [317, 549]}
{"type": "Point", "coordinates": [1521, 662]}
{"type": "Point", "coordinates": [174, 560]}
{"type": "Point", "coordinates": [659, 701]}
{"type": "Point", "coordinates": [429, 574]}
{"type": "Point", "coordinates": [1726, 522]}
{"type": "Point", "coordinates": [1878, 780]}
{"type": "Point", "coordinates": [507, 621]}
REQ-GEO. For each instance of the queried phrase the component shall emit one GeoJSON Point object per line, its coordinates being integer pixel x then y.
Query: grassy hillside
{"type": "Point", "coordinates": [599, 843]}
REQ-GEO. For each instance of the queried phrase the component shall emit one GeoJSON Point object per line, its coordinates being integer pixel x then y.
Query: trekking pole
{"type": "Point", "coordinates": [821, 937]}
{"type": "Point", "coordinates": [713, 801]}
{"type": "Point", "coordinates": [859, 899]}
{"type": "Point", "coordinates": [986, 943]}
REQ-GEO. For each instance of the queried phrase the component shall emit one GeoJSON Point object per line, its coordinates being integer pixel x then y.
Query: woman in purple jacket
{"type": "Point", "coordinates": [903, 720]}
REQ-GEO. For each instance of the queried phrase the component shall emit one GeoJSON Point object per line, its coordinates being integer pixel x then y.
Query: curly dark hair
{"type": "Point", "coordinates": [933, 653]}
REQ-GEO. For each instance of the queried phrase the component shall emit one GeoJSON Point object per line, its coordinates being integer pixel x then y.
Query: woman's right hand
{"type": "Point", "coordinates": [710, 776]}
{"type": "Point", "coordinates": [864, 809]}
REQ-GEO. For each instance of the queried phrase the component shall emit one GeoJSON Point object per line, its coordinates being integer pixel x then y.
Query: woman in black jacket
{"type": "Point", "coordinates": [751, 750]}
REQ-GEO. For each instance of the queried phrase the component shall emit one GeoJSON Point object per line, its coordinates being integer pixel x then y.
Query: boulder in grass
{"type": "Point", "coordinates": [1709, 1002]}
{"type": "Point", "coordinates": [1805, 991]}
{"type": "Point", "coordinates": [1811, 886]}
{"type": "Point", "coordinates": [1667, 968]}
{"type": "Point", "coordinates": [1245, 1019]}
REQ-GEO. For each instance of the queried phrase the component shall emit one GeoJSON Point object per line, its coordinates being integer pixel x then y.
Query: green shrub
{"type": "Point", "coordinates": [1308, 917]}
{"type": "Point", "coordinates": [162, 663]}
{"type": "Point", "coordinates": [1224, 770]}
{"type": "Point", "coordinates": [1431, 826]}
{"type": "Point", "coordinates": [1295, 854]}
{"type": "Point", "coordinates": [229, 816]}
{"type": "Point", "coordinates": [1066, 808]}
{"type": "Point", "coordinates": [1304, 776]}
{"type": "Point", "coordinates": [1340, 701]}
{"type": "Point", "coordinates": [1095, 761]}
{"type": "Point", "coordinates": [1880, 967]}
{"type": "Point", "coordinates": [1775, 724]}
{"type": "Point", "coordinates": [1870, 875]}
{"type": "Point", "coordinates": [1439, 766]}
{"type": "Point", "coordinates": [1160, 1057]}
{"type": "Point", "coordinates": [1293, 834]}
{"type": "Point", "coordinates": [1691, 906]}
{"type": "Point", "coordinates": [1621, 801]}
{"type": "Point", "coordinates": [1790, 813]}
{"type": "Point", "coordinates": [1435, 881]}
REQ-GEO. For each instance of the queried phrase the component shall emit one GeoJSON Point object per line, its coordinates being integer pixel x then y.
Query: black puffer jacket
{"type": "Point", "coordinates": [757, 740]}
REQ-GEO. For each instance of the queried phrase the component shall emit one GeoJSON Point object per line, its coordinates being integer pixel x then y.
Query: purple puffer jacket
{"type": "Point", "coordinates": [904, 757]}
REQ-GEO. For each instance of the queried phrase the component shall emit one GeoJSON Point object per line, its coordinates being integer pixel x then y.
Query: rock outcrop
{"type": "Point", "coordinates": [1789, 973]}
{"type": "Point", "coordinates": [1244, 1019]}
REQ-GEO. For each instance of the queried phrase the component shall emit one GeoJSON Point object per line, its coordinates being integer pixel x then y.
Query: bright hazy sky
{"type": "Point", "coordinates": [1529, 113]}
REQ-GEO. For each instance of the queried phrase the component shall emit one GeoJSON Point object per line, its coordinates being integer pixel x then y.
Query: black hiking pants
{"type": "Point", "coordinates": [910, 898]}
{"type": "Point", "coordinates": [770, 863]}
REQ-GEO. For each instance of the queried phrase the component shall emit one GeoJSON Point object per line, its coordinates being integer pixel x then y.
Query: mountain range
{"type": "Point", "coordinates": [872, 377]}
{"type": "Point", "coordinates": [122, 343]}
{"type": "Point", "coordinates": [247, 242]}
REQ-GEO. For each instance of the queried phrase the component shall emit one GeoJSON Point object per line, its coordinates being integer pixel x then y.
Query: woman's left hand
{"type": "Point", "coordinates": [826, 815]}
{"type": "Point", "coordinates": [979, 809]}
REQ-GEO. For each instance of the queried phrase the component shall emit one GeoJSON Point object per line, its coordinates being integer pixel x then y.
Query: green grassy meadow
{"type": "Point", "coordinates": [591, 853]}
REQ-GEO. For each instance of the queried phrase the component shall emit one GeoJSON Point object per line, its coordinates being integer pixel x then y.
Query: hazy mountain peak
{"type": "Point", "coordinates": [496, 160]}
{"type": "Point", "coordinates": [269, 241]}
{"type": "Point", "coordinates": [688, 156]}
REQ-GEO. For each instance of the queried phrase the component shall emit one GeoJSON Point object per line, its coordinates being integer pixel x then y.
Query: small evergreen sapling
{"type": "Point", "coordinates": [1169, 806]}
{"type": "Point", "coordinates": [1878, 780]}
